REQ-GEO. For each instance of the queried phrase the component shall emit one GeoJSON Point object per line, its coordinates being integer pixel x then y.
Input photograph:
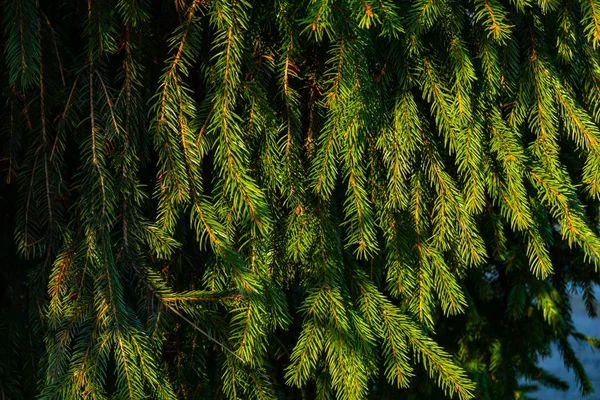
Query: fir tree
{"type": "Point", "coordinates": [311, 199]}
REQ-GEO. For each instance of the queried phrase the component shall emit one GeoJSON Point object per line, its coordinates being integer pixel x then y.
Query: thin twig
{"type": "Point", "coordinates": [183, 317]}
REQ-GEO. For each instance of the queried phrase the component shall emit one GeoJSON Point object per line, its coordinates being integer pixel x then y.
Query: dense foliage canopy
{"type": "Point", "coordinates": [295, 199]}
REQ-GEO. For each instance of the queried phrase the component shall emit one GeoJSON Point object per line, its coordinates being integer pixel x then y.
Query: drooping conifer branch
{"type": "Point", "coordinates": [259, 200]}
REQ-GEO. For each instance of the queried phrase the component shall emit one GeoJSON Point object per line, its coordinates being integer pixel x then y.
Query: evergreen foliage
{"type": "Point", "coordinates": [296, 199]}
